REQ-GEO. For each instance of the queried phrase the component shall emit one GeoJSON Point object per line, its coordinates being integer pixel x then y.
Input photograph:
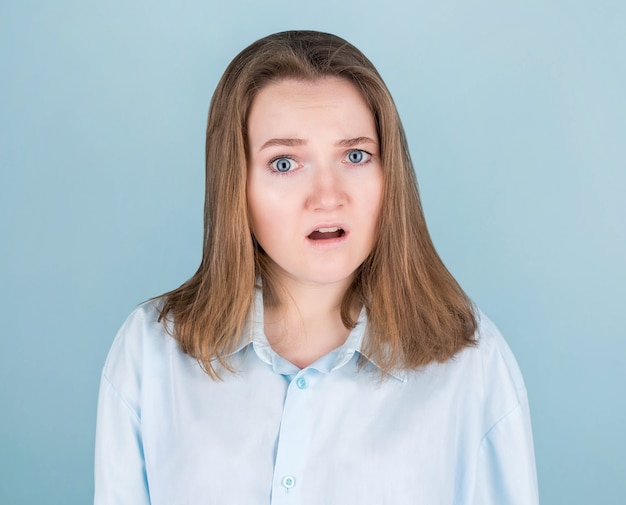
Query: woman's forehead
{"type": "Point", "coordinates": [296, 109]}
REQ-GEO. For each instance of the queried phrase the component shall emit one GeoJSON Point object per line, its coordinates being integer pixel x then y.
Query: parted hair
{"type": "Point", "coordinates": [417, 313]}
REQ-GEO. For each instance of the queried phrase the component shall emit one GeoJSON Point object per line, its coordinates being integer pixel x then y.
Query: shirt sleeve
{"type": "Point", "coordinates": [506, 464]}
{"type": "Point", "coordinates": [120, 475]}
{"type": "Point", "coordinates": [120, 468]}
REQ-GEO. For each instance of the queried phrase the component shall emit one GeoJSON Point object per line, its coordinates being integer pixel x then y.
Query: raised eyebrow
{"type": "Point", "coordinates": [355, 142]}
{"type": "Point", "coordinates": [283, 142]}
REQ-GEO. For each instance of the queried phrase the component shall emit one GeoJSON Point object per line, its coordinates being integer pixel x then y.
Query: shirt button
{"type": "Point", "coordinates": [301, 383]}
{"type": "Point", "coordinates": [289, 481]}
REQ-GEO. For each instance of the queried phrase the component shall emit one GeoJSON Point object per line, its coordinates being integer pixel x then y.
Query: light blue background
{"type": "Point", "coordinates": [516, 116]}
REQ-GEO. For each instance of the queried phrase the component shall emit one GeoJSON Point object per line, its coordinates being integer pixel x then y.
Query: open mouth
{"type": "Point", "coordinates": [326, 233]}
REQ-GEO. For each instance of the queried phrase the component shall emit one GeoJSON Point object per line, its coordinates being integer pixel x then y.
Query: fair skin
{"type": "Point", "coordinates": [314, 194]}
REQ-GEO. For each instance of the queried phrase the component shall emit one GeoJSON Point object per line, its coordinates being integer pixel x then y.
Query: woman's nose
{"type": "Point", "coordinates": [327, 190]}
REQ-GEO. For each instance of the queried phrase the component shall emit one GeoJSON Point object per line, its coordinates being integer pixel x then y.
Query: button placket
{"type": "Point", "coordinates": [293, 442]}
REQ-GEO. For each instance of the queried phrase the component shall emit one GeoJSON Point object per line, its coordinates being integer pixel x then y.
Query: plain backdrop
{"type": "Point", "coordinates": [516, 116]}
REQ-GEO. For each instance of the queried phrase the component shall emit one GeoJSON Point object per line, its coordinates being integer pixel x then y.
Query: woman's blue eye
{"type": "Point", "coordinates": [283, 164]}
{"type": "Point", "coordinates": [356, 156]}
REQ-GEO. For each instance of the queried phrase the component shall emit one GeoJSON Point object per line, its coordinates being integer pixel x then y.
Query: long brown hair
{"type": "Point", "coordinates": [417, 313]}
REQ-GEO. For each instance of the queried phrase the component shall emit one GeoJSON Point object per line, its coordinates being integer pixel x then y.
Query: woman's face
{"type": "Point", "coordinates": [315, 181]}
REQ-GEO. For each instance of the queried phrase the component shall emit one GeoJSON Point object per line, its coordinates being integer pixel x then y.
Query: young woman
{"type": "Point", "coordinates": [322, 353]}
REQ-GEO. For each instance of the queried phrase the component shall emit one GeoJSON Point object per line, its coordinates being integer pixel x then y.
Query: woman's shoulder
{"type": "Point", "coordinates": [496, 372]}
{"type": "Point", "coordinates": [141, 338]}
{"type": "Point", "coordinates": [496, 355]}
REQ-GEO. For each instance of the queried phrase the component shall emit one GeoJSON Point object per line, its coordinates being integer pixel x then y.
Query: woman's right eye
{"type": "Point", "coordinates": [283, 164]}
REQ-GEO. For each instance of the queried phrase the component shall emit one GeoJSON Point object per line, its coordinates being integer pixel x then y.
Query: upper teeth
{"type": "Point", "coordinates": [328, 230]}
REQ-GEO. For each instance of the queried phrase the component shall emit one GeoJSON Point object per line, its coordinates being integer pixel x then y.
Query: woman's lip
{"type": "Point", "coordinates": [330, 229]}
{"type": "Point", "coordinates": [327, 233]}
{"type": "Point", "coordinates": [328, 243]}
{"type": "Point", "coordinates": [326, 226]}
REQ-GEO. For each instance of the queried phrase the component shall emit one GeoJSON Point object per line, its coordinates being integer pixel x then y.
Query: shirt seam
{"type": "Point", "coordinates": [504, 417]}
{"type": "Point", "coordinates": [121, 398]}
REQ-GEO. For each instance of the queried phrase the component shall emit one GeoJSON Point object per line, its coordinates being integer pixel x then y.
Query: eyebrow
{"type": "Point", "coordinates": [355, 142]}
{"type": "Point", "coordinates": [283, 142]}
{"type": "Point", "coordinates": [291, 142]}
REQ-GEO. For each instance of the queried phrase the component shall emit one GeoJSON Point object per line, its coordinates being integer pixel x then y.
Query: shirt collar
{"type": "Point", "coordinates": [254, 336]}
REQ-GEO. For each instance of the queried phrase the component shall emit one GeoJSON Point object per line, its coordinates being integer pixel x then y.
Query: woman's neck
{"type": "Point", "coordinates": [308, 323]}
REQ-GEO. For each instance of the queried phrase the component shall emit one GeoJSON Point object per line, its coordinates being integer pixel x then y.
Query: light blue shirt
{"type": "Point", "coordinates": [449, 433]}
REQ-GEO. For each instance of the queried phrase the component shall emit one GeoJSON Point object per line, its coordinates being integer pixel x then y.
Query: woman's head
{"type": "Point", "coordinates": [417, 313]}
{"type": "Point", "coordinates": [306, 57]}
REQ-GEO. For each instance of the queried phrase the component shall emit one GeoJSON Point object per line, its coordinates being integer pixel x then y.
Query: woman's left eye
{"type": "Point", "coordinates": [357, 156]}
